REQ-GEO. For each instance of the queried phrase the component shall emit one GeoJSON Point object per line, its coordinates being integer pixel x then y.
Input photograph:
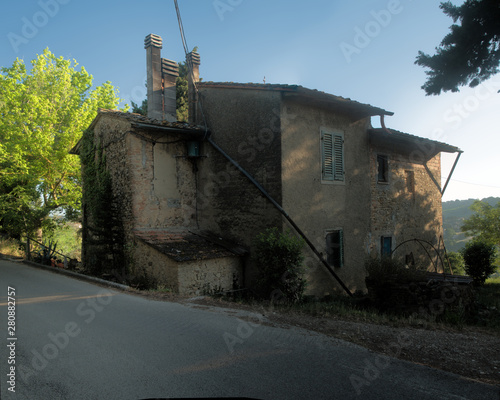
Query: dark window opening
{"type": "Point", "coordinates": [383, 168]}
{"type": "Point", "coordinates": [335, 248]}
{"type": "Point", "coordinates": [386, 246]}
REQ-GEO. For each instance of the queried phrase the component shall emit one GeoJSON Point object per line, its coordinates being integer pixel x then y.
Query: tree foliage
{"type": "Point", "coordinates": [457, 263]}
{"type": "Point", "coordinates": [181, 94]}
{"type": "Point", "coordinates": [43, 113]}
{"type": "Point", "coordinates": [278, 257]}
{"type": "Point", "coordinates": [479, 257]}
{"type": "Point", "coordinates": [470, 53]}
{"type": "Point", "coordinates": [484, 224]}
{"type": "Point", "coordinates": [181, 88]}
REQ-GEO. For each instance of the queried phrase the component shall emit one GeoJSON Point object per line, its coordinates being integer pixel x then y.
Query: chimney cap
{"type": "Point", "coordinates": [153, 40]}
{"type": "Point", "coordinates": [193, 58]}
{"type": "Point", "coordinates": [169, 67]}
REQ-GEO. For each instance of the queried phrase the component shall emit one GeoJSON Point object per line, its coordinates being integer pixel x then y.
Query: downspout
{"type": "Point", "coordinates": [382, 124]}
{"type": "Point", "coordinates": [283, 212]}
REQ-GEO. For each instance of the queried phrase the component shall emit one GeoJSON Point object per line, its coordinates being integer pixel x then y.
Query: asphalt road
{"type": "Point", "coordinates": [76, 340]}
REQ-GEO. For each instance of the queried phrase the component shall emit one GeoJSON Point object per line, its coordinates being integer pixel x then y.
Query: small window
{"type": "Point", "coordinates": [332, 156]}
{"type": "Point", "coordinates": [335, 248]}
{"type": "Point", "coordinates": [383, 168]}
{"type": "Point", "coordinates": [386, 246]}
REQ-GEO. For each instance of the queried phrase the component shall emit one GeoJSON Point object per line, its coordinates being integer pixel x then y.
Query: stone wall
{"type": "Point", "coordinates": [209, 276]}
{"type": "Point", "coordinates": [107, 134]}
{"type": "Point", "coordinates": [408, 206]}
{"type": "Point", "coordinates": [246, 125]}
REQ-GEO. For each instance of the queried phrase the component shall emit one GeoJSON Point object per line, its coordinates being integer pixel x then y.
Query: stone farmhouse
{"type": "Point", "coordinates": [186, 200]}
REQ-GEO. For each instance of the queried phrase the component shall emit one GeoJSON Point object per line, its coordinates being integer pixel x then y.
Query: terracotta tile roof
{"type": "Point", "coordinates": [189, 245]}
{"type": "Point", "coordinates": [345, 104]}
{"type": "Point", "coordinates": [138, 118]}
{"type": "Point", "coordinates": [392, 136]}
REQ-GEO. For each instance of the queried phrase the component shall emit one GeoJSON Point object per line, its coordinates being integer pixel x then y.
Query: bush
{"type": "Point", "coordinates": [278, 257]}
{"type": "Point", "coordinates": [382, 270]}
{"type": "Point", "coordinates": [478, 259]}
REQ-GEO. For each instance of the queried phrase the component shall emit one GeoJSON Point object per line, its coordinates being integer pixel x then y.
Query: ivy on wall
{"type": "Point", "coordinates": [103, 232]}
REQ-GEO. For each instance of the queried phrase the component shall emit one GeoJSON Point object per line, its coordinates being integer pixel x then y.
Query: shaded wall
{"type": "Point", "coordinates": [246, 125]}
{"type": "Point", "coordinates": [319, 207]}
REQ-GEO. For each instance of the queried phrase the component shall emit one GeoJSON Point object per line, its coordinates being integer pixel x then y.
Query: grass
{"type": "Point", "coordinates": [11, 247]}
{"type": "Point", "coordinates": [68, 239]}
{"type": "Point", "coordinates": [486, 314]}
{"type": "Point", "coordinates": [488, 300]}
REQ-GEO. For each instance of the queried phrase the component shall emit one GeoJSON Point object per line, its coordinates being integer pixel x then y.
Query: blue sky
{"type": "Point", "coordinates": [363, 50]}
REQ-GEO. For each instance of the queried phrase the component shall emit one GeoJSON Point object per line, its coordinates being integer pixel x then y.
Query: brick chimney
{"type": "Point", "coordinates": [170, 72]}
{"type": "Point", "coordinates": [193, 62]}
{"type": "Point", "coordinates": [161, 76]}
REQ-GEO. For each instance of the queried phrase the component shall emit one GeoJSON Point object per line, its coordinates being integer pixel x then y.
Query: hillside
{"type": "Point", "coordinates": [454, 213]}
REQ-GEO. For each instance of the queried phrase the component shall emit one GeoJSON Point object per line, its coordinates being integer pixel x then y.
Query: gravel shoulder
{"type": "Point", "coordinates": [470, 352]}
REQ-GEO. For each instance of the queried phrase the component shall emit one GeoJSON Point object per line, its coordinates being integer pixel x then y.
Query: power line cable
{"type": "Point", "coordinates": [189, 64]}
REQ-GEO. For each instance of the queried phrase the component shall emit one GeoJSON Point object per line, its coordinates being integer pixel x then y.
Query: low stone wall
{"type": "Point", "coordinates": [431, 296]}
{"type": "Point", "coordinates": [186, 277]}
{"type": "Point", "coordinates": [212, 275]}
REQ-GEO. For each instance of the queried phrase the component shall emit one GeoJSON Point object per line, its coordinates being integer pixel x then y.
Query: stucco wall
{"type": "Point", "coordinates": [149, 263]}
{"type": "Point", "coordinates": [187, 277]}
{"type": "Point", "coordinates": [163, 182]}
{"type": "Point", "coordinates": [209, 276]}
{"type": "Point", "coordinates": [318, 207]}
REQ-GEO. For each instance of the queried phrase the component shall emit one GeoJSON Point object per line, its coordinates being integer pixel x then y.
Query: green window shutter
{"type": "Point", "coordinates": [338, 154]}
{"type": "Point", "coordinates": [332, 156]}
{"type": "Point", "coordinates": [327, 156]}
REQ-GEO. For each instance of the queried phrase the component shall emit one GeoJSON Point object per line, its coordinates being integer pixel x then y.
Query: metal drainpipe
{"type": "Point", "coordinates": [283, 212]}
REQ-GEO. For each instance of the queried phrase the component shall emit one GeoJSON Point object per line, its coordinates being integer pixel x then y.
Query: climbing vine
{"type": "Point", "coordinates": [103, 232]}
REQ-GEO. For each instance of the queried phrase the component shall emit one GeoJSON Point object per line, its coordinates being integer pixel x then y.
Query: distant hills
{"type": "Point", "coordinates": [454, 213]}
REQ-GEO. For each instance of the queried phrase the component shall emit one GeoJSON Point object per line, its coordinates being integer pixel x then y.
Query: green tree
{"type": "Point", "coordinates": [457, 262]}
{"type": "Point", "coordinates": [140, 109]}
{"type": "Point", "coordinates": [43, 113]}
{"type": "Point", "coordinates": [278, 257]}
{"type": "Point", "coordinates": [181, 89]}
{"type": "Point", "coordinates": [478, 258]}
{"type": "Point", "coordinates": [484, 224]}
{"type": "Point", "coordinates": [470, 53]}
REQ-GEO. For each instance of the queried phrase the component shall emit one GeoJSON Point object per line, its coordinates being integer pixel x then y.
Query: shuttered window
{"type": "Point", "coordinates": [335, 248]}
{"type": "Point", "coordinates": [332, 153]}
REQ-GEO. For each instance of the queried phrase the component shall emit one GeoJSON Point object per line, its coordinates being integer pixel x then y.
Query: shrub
{"type": "Point", "coordinates": [457, 263]}
{"type": "Point", "coordinates": [278, 257]}
{"type": "Point", "coordinates": [478, 258]}
{"type": "Point", "coordinates": [382, 270]}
